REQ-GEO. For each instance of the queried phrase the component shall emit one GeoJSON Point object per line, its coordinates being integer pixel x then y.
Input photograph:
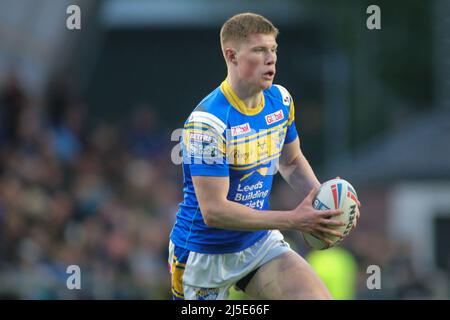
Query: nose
{"type": "Point", "coordinates": [271, 58]}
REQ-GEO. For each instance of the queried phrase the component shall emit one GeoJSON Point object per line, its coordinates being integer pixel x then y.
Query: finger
{"type": "Point", "coordinates": [332, 222]}
{"type": "Point", "coordinates": [307, 243]}
{"type": "Point", "coordinates": [330, 231]}
{"type": "Point", "coordinates": [355, 222]}
{"type": "Point", "coordinates": [359, 203]}
{"type": "Point", "coordinates": [330, 213]}
{"type": "Point", "coordinates": [313, 193]}
{"type": "Point", "coordinates": [324, 239]}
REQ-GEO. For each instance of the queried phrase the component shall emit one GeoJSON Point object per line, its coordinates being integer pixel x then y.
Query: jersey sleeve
{"type": "Point", "coordinates": [204, 145]}
{"type": "Point", "coordinates": [291, 132]}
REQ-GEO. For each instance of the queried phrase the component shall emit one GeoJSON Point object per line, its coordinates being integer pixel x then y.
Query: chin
{"type": "Point", "coordinates": [266, 85]}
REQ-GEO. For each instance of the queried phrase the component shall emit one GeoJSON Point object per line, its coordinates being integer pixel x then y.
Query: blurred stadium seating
{"type": "Point", "coordinates": [86, 118]}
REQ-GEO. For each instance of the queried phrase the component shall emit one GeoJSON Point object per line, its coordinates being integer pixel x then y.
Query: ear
{"type": "Point", "coordinates": [230, 55]}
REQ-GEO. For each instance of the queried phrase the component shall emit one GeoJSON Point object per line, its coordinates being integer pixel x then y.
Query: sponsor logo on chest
{"type": "Point", "coordinates": [274, 117]}
{"type": "Point", "coordinates": [240, 129]}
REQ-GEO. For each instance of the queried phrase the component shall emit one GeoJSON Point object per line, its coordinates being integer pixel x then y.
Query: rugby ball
{"type": "Point", "coordinates": [334, 194]}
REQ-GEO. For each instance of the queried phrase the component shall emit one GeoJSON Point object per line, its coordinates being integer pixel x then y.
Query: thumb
{"type": "Point", "coordinates": [312, 194]}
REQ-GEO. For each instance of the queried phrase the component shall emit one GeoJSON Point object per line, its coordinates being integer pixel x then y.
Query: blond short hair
{"type": "Point", "coordinates": [240, 26]}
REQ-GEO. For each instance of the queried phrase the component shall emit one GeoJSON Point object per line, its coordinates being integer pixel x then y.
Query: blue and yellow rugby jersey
{"type": "Point", "coordinates": [222, 137]}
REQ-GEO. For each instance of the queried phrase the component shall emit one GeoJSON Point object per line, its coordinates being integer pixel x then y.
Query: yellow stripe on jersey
{"type": "Point", "coordinates": [237, 103]}
{"type": "Point", "coordinates": [291, 113]}
{"type": "Point", "coordinates": [254, 151]}
{"type": "Point", "coordinates": [262, 171]}
{"type": "Point", "coordinates": [255, 164]}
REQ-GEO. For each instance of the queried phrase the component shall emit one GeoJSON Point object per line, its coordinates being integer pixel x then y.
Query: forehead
{"type": "Point", "coordinates": [259, 39]}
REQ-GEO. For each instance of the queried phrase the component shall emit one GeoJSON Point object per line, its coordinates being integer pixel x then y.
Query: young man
{"type": "Point", "coordinates": [225, 234]}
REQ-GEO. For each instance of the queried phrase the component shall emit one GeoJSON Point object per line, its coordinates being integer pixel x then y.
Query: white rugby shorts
{"type": "Point", "coordinates": [201, 276]}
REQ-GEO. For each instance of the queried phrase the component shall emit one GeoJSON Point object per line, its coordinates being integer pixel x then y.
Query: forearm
{"type": "Point", "coordinates": [235, 216]}
{"type": "Point", "coordinates": [232, 215]}
{"type": "Point", "coordinates": [299, 175]}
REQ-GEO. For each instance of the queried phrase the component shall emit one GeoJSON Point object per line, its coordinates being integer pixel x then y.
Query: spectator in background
{"type": "Point", "coordinates": [144, 137]}
{"type": "Point", "coordinates": [66, 197]}
{"type": "Point", "coordinates": [338, 269]}
{"type": "Point", "coordinates": [69, 133]}
{"type": "Point", "coordinates": [12, 101]}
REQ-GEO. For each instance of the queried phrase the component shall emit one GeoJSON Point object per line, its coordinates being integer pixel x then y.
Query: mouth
{"type": "Point", "coordinates": [268, 75]}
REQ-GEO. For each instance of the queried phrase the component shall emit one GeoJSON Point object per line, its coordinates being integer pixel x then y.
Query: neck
{"type": "Point", "coordinates": [250, 96]}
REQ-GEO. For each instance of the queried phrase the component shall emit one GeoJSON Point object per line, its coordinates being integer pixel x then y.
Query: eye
{"type": "Point", "coordinates": [259, 49]}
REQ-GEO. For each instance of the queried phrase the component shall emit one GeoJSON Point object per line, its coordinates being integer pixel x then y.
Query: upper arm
{"type": "Point", "coordinates": [204, 151]}
{"type": "Point", "coordinates": [289, 153]}
{"type": "Point", "coordinates": [288, 102]}
{"type": "Point", "coordinates": [291, 148]}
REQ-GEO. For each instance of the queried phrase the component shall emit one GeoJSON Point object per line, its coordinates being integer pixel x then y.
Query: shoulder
{"type": "Point", "coordinates": [279, 92]}
{"type": "Point", "coordinates": [213, 111]}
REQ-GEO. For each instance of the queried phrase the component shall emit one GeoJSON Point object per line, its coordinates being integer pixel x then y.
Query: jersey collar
{"type": "Point", "coordinates": [237, 103]}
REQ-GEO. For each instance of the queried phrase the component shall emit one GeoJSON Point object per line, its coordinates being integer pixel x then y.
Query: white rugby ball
{"type": "Point", "coordinates": [334, 194]}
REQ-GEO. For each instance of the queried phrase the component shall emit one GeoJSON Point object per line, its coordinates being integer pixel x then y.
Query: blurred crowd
{"type": "Point", "coordinates": [77, 190]}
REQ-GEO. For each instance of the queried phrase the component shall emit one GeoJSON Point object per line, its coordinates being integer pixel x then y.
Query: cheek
{"type": "Point", "coordinates": [250, 67]}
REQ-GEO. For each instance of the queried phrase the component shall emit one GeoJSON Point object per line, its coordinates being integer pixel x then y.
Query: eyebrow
{"type": "Point", "coordinates": [263, 46]}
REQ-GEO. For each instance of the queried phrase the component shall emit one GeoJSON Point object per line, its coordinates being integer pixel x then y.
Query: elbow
{"type": "Point", "coordinates": [210, 216]}
{"type": "Point", "coordinates": [209, 221]}
{"type": "Point", "coordinates": [285, 171]}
